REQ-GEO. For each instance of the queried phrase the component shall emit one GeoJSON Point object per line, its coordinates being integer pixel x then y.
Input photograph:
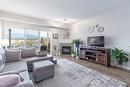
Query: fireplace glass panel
{"type": "Point", "coordinates": [66, 49]}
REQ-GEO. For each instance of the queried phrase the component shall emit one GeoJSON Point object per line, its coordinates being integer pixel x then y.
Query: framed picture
{"type": "Point", "coordinates": [55, 36]}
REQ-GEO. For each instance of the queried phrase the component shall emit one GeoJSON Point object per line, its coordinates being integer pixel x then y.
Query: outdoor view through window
{"type": "Point", "coordinates": [21, 38]}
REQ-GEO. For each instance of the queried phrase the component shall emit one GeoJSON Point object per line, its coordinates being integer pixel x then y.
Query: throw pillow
{"type": "Point", "coordinates": [28, 52]}
{"type": "Point", "coordinates": [9, 80]}
{"type": "Point", "coordinates": [13, 55]}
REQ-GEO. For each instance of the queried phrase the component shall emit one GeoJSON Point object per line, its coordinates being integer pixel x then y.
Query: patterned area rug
{"type": "Point", "coordinates": [70, 74]}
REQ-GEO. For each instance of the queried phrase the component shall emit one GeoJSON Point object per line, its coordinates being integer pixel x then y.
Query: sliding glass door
{"type": "Point", "coordinates": [32, 38]}
{"type": "Point", "coordinates": [45, 40]}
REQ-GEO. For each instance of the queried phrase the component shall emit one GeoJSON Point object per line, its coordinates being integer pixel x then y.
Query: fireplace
{"type": "Point", "coordinates": [66, 49]}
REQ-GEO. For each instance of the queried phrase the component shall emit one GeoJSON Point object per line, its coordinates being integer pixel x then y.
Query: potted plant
{"type": "Point", "coordinates": [120, 56]}
{"type": "Point", "coordinates": [77, 43]}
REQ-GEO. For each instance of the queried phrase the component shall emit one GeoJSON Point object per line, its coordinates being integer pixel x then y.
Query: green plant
{"type": "Point", "coordinates": [77, 42]}
{"type": "Point", "coordinates": [119, 55]}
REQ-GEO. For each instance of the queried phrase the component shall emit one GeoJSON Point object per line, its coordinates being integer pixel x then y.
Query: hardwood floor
{"type": "Point", "coordinates": [116, 73]}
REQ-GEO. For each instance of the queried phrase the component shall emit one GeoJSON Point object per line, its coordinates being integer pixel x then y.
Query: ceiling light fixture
{"type": "Point", "coordinates": [65, 20]}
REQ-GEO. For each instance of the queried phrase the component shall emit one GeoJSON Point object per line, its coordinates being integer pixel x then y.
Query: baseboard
{"type": "Point", "coordinates": [120, 67]}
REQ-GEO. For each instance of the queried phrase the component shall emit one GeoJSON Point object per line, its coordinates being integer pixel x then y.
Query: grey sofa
{"type": "Point", "coordinates": [21, 67]}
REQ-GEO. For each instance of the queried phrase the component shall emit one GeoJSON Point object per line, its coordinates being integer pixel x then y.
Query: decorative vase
{"type": "Point", "coordinates": [119, 62]}
{"type": "Point", "coordinates": [72, 55]}
{"type": "Point", "coordinates": [77, 49]}
{"type": "Point", "coordinates": [77, 57]}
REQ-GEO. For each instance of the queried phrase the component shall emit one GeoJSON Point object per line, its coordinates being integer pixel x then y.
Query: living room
{"type": "Point", "coordinates": [57, 44]}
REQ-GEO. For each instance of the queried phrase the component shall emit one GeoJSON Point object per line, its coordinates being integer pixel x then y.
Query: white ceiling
{"type": "Point", "coordinates": [53, 9]}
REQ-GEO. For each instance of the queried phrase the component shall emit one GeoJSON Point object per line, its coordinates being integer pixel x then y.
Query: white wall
{"type": "Point", "coordinates": [117, 29]}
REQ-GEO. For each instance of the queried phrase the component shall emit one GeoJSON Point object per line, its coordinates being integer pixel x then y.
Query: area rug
{"type": "Point", "coordinates": [70, 74]}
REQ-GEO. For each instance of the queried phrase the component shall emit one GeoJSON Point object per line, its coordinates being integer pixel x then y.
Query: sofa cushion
{"type": "Point", "coordinates": [28, 52]}
{"type": "Point", "coordinates": [9, 80]}
{"type": "Point", "coordinates": [16, 66]}
{"type": "Point", "coordinates": [9, 72]}
{"type": "Point", "coordinates": [12, 55]}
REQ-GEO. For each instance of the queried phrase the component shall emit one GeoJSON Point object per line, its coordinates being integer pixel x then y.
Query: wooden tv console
{"type": "Point", "coordinates": [98, 55]}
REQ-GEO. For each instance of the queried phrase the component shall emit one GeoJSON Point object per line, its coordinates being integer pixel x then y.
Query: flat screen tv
{"type": "Point", "coordinates": [97, 41]}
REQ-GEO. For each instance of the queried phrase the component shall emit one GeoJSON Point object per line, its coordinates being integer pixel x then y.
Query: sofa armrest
{"type": "Point", "coordinates": [12, 72]}
{"type": "Point", "coordinates": [25, 84]}
{"type": "Point", "coordinates": [9, 72]}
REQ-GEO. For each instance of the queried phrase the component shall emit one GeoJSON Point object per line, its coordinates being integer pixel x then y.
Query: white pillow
{"type": "Point", "coordinates": [9, 80]}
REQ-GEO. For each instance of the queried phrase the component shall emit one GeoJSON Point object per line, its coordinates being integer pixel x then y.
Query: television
{"type": "Point", "coordinates": [96, 41]}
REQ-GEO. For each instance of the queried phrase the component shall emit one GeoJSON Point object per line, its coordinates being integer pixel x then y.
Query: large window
{"type": "Point", "coordinates": [21, 38]}
{"type": "Point", "coordinates": [17, 38]}
{"type": "Point", "coordinates": [32, 38]}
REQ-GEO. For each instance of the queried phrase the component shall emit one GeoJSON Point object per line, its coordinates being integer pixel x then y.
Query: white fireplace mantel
{"type": "Point", "coordinates": [65, 41]}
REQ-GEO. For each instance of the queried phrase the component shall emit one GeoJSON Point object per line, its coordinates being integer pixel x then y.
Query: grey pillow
{"type": "Point", "coordinates": [13, 55]}
{"type": "Point", "coordinates": [28, 52]}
